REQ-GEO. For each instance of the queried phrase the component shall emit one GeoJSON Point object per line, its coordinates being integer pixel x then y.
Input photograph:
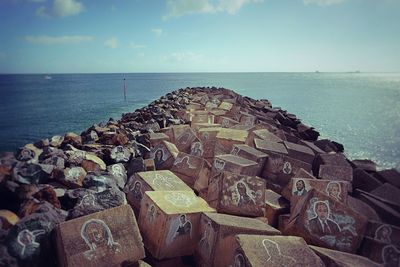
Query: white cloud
{"type": "Point", "coordinates": [61, 8]}
{"type": "Point", "coordinates": [137, 46]}
{"type": "Point", "coordinates": [323, 2]}
{"type": "Point", "coordinates": [177, 8]}
{"type": "Point", "coordinates": [111, 43]}
{"type": "Point", "coordinates": [157, 32]}
{"type": "Point", "coordinates": [57, 40]}
{"type": "Point", "coordinates": [183, 57]}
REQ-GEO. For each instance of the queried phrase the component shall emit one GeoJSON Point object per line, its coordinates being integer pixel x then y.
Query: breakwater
{"type": "Point", "coordinates": [176, 176]}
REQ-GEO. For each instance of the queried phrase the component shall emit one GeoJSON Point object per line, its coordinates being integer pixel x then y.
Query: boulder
{"type": "Point", "coordinates": [168, 221]}
{"type": "Point", "coordinates": [237, 194]}
{"type": "Point", "coordinates": [216, 245]}
{"type": "Point", "coordinates": [99, 239]}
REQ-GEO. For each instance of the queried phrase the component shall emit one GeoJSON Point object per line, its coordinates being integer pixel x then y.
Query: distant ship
{"type": "Point", "coordinates": [47, 77]}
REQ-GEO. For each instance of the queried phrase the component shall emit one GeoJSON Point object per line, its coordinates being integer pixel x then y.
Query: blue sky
{"type": "Point", "coordinates": [74, 36]}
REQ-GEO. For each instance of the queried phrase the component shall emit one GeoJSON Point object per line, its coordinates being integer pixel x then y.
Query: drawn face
{"type": "Point", "coordinates": [334, 190]}
{"type": "Point", "coordinates": [219, 164]}
{"type": "Point", "coordinates": [385, 231]}
{"type": "Point", "coordinates": [300, 185]}
{"type": "Point", "coordinates": [137, 186]}
{"type": "Point", "coordinates": [322, 211]}
{"type": "Point", "coordinates": [239, 261]}
{"type": "Point", "coordinates": [26, 237]}
{"type": "Point", "coordinates": [159, 155]}
{"type": "Point", "coordinates": [96, 234]}
{"type": "Point", "coordinates": [182, 218]}
{"type": "Point", "coordinates": [241, 188]}
{"type": "Point", "coordinates": [88, 200]}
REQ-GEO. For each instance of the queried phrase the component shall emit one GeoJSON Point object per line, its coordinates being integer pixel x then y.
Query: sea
{"type": "Point", "coordinates": [359, 110]}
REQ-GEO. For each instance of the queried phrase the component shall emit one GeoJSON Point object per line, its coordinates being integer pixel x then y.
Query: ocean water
{"type": "Point", "coordinates": [359, 110]}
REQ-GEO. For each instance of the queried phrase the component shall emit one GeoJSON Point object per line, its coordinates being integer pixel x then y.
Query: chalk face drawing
{"type": "Point", "coordinates": [98, 237]}
{"type": "Point", "coordinates": [321, 224]}
{"type": "Point", "coordinates": [225, 123]}
{"type": "Point", "coordinates": [184, 163]}
{"type": "Point", "coordinates": [337, 230]}
{"type": "Point", "coordinates": [205, 136]}
{"type": "Point", "coordinates": [180, 228]}
{"type": "Point", "coordinates": [196, 149]}
{"type": "Point", "coordinates": [274, 254]}
{"type": "Point", "coordinates": [238, 261]}
{"type": "Point", "coordinates": [287, 167]}
{"type": "Point", "coordinates": [207, 240]}
{"type": "Point", "coordinates": [184, 138]}
{"type": "Point", "coordinates": [334, 190]}
{"type": "Point", "coordinates": [136, 190]}
{"type": "Point", "coordinates": [117, 170]}
{"type": "Point", "coordinates": [167, 181]}
{"type": "Point", "coordinates": [219, 164]}
{"type": "Point", "coordinates": [151, 213]}
{"type": "Point", "coordinates": [235, 150]}
{"type": "Point", "coordinates": [242, 195]}
{"type": "Point", "coordinates": [179, 199]}
{"type": "Point", "coordinates": [390, 256]}
{"type": "Point", "coordinates": [74, 174]}
{"type": "Point", "coordinates": [26, 154]}
{"type": "Point", "coordinates": [299, 187]}
{"type": "Point", "coordinates": [383, 233]}
{"type": "Point", "coordinates": [120, 154]}
{"type": "Point", "coordinates": [27, 241]}
{"type": "Point", "coordinates": [159, 157]}
{"type": "Point", "coordinates": [248, 121]}
{"type": "Point", "coordinates": [88, 200]}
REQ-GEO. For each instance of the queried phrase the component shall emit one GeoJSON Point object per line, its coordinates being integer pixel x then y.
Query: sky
{"type": "Point", "coordinates": [103, 36]}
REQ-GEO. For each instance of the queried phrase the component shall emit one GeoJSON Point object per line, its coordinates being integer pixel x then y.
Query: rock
{"type": "Point", "coordinates": [299, 152]}
{"type": "Point", "coordinates": [337, 258]}
{"type": "Point", "coordinates": [250, 153]}
{"type": "Point", "coordinates": [342, 228]}
{"type": "Point", "coordinates": [194, 171]}
{"type": "Point", "coordinates": [135, 165]}
{"type": "Point", "coordinates": [380, 252]}
{"type": "Point", "coordinates": [164, 155]}
{"type": "Point", "coordinates": [265, 250]}
{"type": "Point", "coordinates": [73, 177]}
{"type": "Point", "coordinates": [118, 172]}
{"type": "Point", "coordinates": [216, 245]}
{"type": "Point", "coordinates": [48, 194]}
{"type": "Point", "coordinates": [72, 139]}
{"type": "Point", "coordinates": [237, 194]}
{"type": "Point", "coordinates": [161, 215]}
{"type": "Point", "coordinates": [7, 219]}
{"type": "Point", "coordinates": [386, 233]}
{"type": "Point", "coordinates": [227, 138]}
{"type": "Point", "coordinates": [391, 176]}
{"type": "Point", "coordinates": [141, 182]}
{"type": "Point", "coordinates": [29, 173]}
{"type": "Point", "coordinates": [29, 240]}
{"type": "Point", "coordinates": [6, 259]}
{"type": "Point", "coordinates": [56, 141]}
{"type": "Point", "coordinates": [235, 164]}
{"type": "Point", "coordinates": [90, 201]}
{"type": "Point", "coordinates": [336, 173]}
{"type": "Point", "coordinates": [364, 181]}
{"type": "Point", "coordinates": [99, 182]}
{"type": "Point", "coordinates": [275, 205]}
{"type": "Point", "coordinates": [388, 193]}
{"type": "Point", "coordinates": [100, 239]}
{"type": "Point", "coordinates": [120, 154]}
{"type": "Point", "coordinates": [364, 164]}
{"type": "Point", "coordinates": [29, 153]}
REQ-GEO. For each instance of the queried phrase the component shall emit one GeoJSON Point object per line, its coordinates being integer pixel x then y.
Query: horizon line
{"type": "Point", "coordinates": [194, 72]}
